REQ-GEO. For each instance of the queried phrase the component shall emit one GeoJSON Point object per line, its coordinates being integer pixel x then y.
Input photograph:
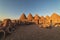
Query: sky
{"type": "Point", "coordinates": [14, 8]}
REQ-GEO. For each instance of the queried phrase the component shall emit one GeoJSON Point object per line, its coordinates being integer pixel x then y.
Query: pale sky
{"type": "Point", "coordinates": [14, 8]}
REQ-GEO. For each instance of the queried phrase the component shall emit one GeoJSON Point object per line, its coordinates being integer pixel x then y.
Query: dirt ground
{"type": "Point", "coordinates": [34, 32]}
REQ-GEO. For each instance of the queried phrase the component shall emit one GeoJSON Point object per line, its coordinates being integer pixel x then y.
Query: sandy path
{"type": "Point", "coordinates": [33, 32]}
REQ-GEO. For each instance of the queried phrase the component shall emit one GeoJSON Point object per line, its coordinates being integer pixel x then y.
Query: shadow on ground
{"type": "Point", "coordinates": [34, 32]}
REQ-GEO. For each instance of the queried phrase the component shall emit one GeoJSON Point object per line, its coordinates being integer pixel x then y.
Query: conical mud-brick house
{"type": "Point", "coordinates": [29, 17]}
{"type": "Point", "coordinates": [55, 18]}
{"type": "Point", "coordinates": [36, 19]}
{"type": "Point", "coordinates": [42, 19]}
{"type": "Point", "coordinates": [47, 19]}
{"type": "Point", "coordinates": [22, 17]}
